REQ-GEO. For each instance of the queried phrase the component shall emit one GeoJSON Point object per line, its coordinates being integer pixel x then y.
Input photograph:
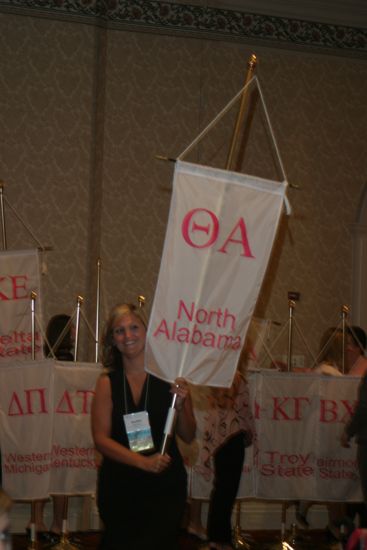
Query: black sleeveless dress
{"type": "Point", "coordinates": [139, 509]}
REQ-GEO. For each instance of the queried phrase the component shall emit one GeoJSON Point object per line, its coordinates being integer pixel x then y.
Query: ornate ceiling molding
{"type": "Point", "coordinates": [199, 21]}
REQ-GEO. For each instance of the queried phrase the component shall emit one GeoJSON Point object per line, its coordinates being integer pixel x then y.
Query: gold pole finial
{"type": "Point", "coordinates": [141, 300]}
{"type": "Point", "coordinates": [252, 61]}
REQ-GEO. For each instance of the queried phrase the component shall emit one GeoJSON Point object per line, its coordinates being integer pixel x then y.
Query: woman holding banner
{"type": "Point", "coordinates": [141, 492]}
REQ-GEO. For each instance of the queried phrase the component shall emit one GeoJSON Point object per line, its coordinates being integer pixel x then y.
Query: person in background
{"type": "Point", "coordinates": [60, 325]}
{"type": "Point", "coordinates": [5, 505]}
{"type": "Point", "coordinates": [330, 364]}
{"type": "Point", "coordinates": [62, 349]}
{"type": "Point", "coordinates": [355, 349]}
{"type": "Point", "coordinates": [229, 429]}
{"type": "Point", "coordinates": [331, 353]}
{"type": "Point", "coordinates": [194, 526]}
{"type": "Point", "coordinates": [357, 428]}
{"type": "Point", "coordinates": [141, 491]}
{"type": "Point", "coordinates": [356, 365]}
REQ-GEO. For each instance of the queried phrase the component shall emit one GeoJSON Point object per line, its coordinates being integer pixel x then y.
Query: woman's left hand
{"type": "Point", "coordinates": [181, 389]}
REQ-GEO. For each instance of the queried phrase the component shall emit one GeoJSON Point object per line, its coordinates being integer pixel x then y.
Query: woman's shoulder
{"type": "Point", "coordinates": [108, 377]}
{"type": "Point", "coordinates": [103, 386]}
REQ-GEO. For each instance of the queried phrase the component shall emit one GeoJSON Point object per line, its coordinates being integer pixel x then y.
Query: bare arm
{"type": "Point", "coordinates": [185, 424]}
{"type": "Point", "coordinates": [101, 431]}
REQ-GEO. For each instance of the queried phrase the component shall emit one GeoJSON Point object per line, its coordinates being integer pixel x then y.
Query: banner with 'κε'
{"type": "Point", "coordinates": [19, 276]}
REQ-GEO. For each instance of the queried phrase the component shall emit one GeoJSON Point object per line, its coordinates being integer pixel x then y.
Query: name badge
{"type": "Point", "coordinates": [138, 431]}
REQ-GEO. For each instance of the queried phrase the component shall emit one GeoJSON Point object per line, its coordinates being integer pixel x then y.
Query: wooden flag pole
{"type": "Point", "coordinates": [241, 113]}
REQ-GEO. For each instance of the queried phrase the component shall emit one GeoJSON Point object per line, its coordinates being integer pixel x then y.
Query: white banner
{"type": "Point", "coordinates": [297, 453]}
{"type": "Point", "coordinates": [219, 237]}
{"type": "Point", "coordinates": [257, 340]}
{"type": "Point", "coordinates": [19, 276]}
{"type": "Point", "coordinates": [47, 446]}
{"type": "Point", "coordinates": [45, 434]}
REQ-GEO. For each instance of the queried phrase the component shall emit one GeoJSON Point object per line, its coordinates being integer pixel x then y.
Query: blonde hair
{"type": "Point", "coordinates": [109, 352]}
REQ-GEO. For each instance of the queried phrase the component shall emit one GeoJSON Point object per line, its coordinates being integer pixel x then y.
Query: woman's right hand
{"type": "Point", "coordinates": [156, 463]}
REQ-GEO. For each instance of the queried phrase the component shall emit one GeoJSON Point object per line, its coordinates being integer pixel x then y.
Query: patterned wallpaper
{"type": "Point", "coordinates": [46, 120]}
{"type": "Point", "coordinates": [199, 20]}
{"type": "Point", "coordinates": [86, 108]}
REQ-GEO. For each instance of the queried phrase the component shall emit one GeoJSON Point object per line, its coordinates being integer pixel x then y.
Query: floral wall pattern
{"type": "Point", "coordinates": [87, 101]}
